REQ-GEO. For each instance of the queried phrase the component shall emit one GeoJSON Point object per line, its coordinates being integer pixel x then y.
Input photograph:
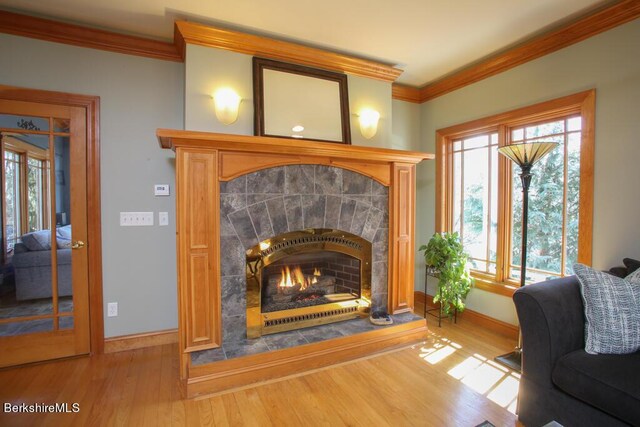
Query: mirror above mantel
{"type": "Point", "coordinates": [293, 101]}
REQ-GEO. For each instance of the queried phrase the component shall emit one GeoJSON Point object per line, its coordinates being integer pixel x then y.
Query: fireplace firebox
{"type": "Point", "coordinates": [306, 278]}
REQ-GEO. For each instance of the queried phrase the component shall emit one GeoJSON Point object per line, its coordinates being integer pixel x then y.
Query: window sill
{"type": "Point", "coordinates": [505, 289]}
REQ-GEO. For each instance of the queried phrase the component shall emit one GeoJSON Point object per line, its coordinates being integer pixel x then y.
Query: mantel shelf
{"type": "Point", "coordinates": [171, 139]}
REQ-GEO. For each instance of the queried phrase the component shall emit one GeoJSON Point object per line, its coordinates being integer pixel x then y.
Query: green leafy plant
{"type": "Point", "coordinates": [446, 258]}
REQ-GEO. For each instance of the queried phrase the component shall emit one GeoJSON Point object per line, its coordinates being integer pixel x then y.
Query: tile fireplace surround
{"type": "Point", "coordinates": [234, 191]}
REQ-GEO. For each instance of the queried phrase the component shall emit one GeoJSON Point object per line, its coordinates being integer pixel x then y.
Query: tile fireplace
{"type": "Point", "coordinates": [275, 238]}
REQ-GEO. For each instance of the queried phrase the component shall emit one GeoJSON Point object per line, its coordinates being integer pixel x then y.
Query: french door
{"type": "Point", "coordinates": [44, 280]}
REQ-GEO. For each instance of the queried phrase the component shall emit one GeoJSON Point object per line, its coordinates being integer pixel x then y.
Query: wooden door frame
{"type": "Point", "coordinates": [91, 104]}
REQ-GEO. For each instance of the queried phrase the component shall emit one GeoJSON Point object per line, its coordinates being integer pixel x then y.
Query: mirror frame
{"type": "Point", "coordinates": [260, 64]}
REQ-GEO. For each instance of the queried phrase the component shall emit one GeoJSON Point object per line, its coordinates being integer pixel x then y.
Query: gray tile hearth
{"type": "Point", "coordinates": [242, 347]}
{"type": "Point", "coordinates": [208, 356]}
{"type": "Point", "coordinates": [322, 333]}
{"type": "Point", "coordinates": [284, 340]}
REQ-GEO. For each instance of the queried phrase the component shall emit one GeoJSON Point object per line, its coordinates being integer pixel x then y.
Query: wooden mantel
{"type": "Point", "coordinates": [292, 148]}
{"type": "Point", "coordinates": [203, 160]}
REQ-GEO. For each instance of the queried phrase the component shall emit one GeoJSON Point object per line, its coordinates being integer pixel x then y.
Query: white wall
{"type": "Point", "coordinates": [208, 69]}
{"type": "Point", "coordinates": [406, 127]}
{"type": "Point", "coordinates": [610, 63]}
{"type": "Point", "coordinates": [137, 96]}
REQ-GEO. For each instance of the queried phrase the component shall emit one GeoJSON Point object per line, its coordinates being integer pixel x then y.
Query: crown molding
{"type": "Point", "coordinates": [590, 25]}
{"type": "Point", "coordinates": [587, 26]}
{"type": "Point", "coordinates": [60, 32]}
{"type": "Point", "coordinates": [249, 44]}
{"type": "Point", "coordinates": [406, 93]}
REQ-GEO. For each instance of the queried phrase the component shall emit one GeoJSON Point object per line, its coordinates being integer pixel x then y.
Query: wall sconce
{"type": "Point", "coordinates": [368, 119]}
{"type": "Point", "coordinates": [227, 104]}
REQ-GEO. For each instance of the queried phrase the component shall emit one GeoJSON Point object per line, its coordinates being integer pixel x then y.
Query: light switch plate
{"type": "Point", "coordinates": [163, 218]}
{"type": "Point", "coordinates": [161, 189]}
{"type": "Point", "coordinates": [133, 219]}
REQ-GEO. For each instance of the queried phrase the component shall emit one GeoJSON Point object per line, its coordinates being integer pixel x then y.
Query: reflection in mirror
{"type": "Point", "coordinates": [26, 258]}
{"type": "Point", "coordinates": [26, 281]}
{"type": "Point", "coordinates": [28, 327]}
{"type": "Point", "coordinates": [293, 101]}
{"type": "Point", "coordinates": [65, 322]}
{"type": "Point", "coordinates": [27, 123]}
{"type": "Point", "coordinates": [63, 222]}
{"type": "Point", "coordinates": [61, 125]}
{"type": "Point", "coordinates": [286, 106]}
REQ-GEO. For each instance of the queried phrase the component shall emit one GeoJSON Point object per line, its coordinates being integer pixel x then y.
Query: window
{"type": "Point", "coordinates": [13, 189]}
{"type": "Point", "coordinates": [26, 173]}
{"type": "Point", "coordinates": [480, 195]}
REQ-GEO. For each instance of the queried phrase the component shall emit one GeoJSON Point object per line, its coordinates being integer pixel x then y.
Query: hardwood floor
{"type": "Point", "coordinates": [447, 380]}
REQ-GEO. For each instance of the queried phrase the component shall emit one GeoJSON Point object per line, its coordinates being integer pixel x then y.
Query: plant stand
{"type": "Point", "coordinates": [435, 312]}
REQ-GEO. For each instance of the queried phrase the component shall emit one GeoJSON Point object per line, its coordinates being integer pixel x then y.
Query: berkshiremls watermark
{"type": "Point", "coordinates": [61, 408]}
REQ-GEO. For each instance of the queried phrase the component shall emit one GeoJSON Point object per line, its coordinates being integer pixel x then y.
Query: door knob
{"type": "Point", "coordinates": [77, 244]}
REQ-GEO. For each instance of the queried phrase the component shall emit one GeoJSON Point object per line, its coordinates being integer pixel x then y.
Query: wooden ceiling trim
{"type": "Point", "coordinates": [406, 93]}
{"type": "Point", "coordinates": [588, 26]}
{"type": "Point", "coordinates": [61, 32]}
{"type": "Point", "coordinates": [250, 44]}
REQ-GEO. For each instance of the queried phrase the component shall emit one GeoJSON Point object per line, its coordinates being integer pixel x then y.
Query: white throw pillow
{"type": "Point", "coordinates": [612, 311]}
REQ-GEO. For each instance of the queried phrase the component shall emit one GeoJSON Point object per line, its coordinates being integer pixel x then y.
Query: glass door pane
{"type": "Point", "coordinates": [63, 223]}
{"type": "Point", "coordinates": [26, 276]}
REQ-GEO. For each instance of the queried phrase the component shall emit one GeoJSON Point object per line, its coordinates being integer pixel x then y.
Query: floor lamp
{"type": "Point", "coordinates": [524, 155]}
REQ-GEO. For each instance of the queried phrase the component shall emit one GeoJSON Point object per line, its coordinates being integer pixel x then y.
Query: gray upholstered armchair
{"type": "Point", "coordinates": [560, 381]}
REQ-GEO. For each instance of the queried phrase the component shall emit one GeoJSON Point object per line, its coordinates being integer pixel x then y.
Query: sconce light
{"type": "Point", "coordinates": [368, 122]}
{"type": "Point", "coordinates": [227, 104]}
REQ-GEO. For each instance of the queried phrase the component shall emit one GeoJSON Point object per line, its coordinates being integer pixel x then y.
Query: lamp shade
{"type": "Point", "coordinates": [369, 122]}
{"type": "Point", "coordinates": [227, 104]}
{"type": "Point", "coordinates": [528, 153]}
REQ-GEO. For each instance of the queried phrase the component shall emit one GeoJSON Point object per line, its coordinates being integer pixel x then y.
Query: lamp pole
{"type": "Point", "coordinates": [525, 179]}
{"type": "Point", "coordinates": [524, 155]}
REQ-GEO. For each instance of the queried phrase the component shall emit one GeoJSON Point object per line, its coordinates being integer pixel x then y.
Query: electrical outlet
{"type": "Point", "coordinates": [112, 309]}
{"type": "Point", "coordinates": [130, 219]}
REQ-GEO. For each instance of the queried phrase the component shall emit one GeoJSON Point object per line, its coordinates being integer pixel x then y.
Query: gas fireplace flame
{"type": "Point", "coordinates": [294, 277]}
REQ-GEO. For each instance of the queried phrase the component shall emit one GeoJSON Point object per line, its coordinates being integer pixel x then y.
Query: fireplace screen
{"type": "Point", "coordinates": [306, 278]}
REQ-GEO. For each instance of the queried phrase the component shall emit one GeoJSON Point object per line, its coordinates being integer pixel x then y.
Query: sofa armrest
{"type": "Point", "coordinates": [551, 316]}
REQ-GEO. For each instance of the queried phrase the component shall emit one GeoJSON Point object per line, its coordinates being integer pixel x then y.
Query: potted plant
{"type": "Point", "coordinates": [446, 259]}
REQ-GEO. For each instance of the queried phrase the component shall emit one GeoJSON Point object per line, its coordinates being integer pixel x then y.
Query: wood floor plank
{"type": "Point", "coordinates": [254, 412]}
{"type": "Point", "coordinates": [447, 380]}
{"type": "Point", "coordinates": [219, 413]}
{"type": "Point", "coordinates": [231, 409]}
{"type": "Point", "coordinates": [167, 382]}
